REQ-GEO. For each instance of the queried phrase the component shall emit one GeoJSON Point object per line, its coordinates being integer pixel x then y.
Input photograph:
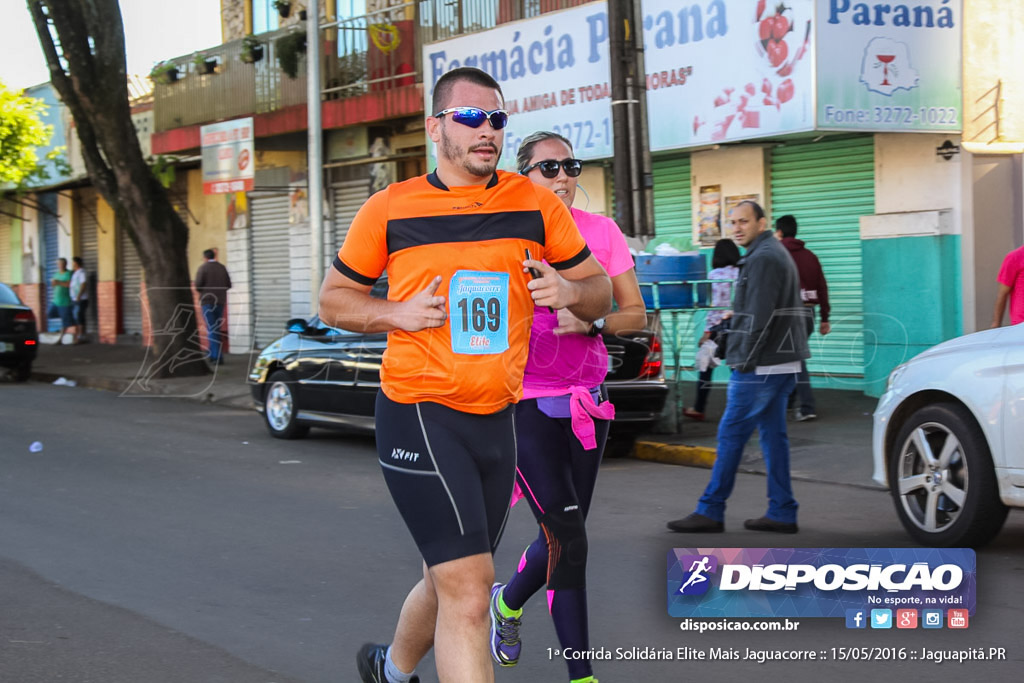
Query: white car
{"type": "Point", "coordinates": [948, 438]}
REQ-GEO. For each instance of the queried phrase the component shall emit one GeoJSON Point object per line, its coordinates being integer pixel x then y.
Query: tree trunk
{"type": "Point", "coordinates": [87, 67]}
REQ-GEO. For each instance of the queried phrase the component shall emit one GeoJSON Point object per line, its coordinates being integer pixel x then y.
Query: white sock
{"type": "Point", "coordinates": [392, 672]}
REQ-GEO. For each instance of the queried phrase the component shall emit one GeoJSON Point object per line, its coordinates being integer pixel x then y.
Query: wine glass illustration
{"type": "Point", "coordinates": [885, 60]}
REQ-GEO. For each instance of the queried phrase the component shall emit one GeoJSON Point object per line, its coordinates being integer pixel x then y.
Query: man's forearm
{"type": "Point", "coordinates": [593, 297]}
{"type": "Point", "coordinates": [352, 310]}
{"type": "Point", "coordinates": [997, 314]}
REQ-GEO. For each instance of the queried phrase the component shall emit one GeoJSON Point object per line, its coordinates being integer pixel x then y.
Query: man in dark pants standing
{"type": "Point", "coordinates": [213, 283]}
{"type": "Point", "coordinates": [766, 342]}
{"type": "Point", "coordinates": [813, 292]}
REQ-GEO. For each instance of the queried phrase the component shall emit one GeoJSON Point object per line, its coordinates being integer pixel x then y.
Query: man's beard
{"type": "Point", "coordinates": [451, 152]}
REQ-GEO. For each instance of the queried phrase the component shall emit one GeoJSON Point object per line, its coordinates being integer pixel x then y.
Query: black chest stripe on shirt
{"type": "Point", "coordinates": [416, 232]}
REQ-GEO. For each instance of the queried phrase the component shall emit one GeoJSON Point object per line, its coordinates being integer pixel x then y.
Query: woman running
{"type": "Point", "coordinates": [559, 441]}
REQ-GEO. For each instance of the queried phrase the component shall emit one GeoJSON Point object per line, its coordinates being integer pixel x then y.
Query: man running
{"type": "Point", "coordinates": [458, 314]}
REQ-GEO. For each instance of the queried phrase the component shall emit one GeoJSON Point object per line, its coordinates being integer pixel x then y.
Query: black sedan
{"type": "Point", "coordinates": [319, 376]}
{"type": "Point", "coordinates": [19, 337]}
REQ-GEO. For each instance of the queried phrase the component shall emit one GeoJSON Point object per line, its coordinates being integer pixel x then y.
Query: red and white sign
{"type": "Point", "coordinates": [228, 149]}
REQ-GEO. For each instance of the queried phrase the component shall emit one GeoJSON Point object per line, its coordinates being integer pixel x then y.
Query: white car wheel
{"type": "Point", "coordinates": [942, 479]}
{"type": "Point", "coordinates": [280, 409]}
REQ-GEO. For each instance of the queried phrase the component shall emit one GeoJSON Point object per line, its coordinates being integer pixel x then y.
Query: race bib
{"type": "Point", "coordinates": [478, 312]}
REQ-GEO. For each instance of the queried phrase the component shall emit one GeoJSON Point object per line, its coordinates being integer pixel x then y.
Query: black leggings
{"type": "Point", "coordinates": [450, 474]}
{"type": "Point", "coordinates": [555, 473]}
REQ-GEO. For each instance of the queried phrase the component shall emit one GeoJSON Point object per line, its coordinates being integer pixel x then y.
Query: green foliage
{"type": "Point", "coordinates": [164, 72]}
{"type": "Point", "coordinates": [21, 132]}
{"type": "Point", "coordinates": [252, 49]}
{"type": "Point", "coordinates": [289, 47]}
{"type": "Point", "coordinates": [163, 170]}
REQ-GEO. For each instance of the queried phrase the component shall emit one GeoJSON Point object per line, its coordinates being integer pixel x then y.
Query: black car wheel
{"type": "Point", "coordinates": [942, 479]}
{"type": "Point", "coordinates": [280, 409]}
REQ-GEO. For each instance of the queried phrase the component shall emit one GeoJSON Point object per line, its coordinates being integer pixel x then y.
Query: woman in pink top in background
{"type": "Point", "coordinates": [562, 424]}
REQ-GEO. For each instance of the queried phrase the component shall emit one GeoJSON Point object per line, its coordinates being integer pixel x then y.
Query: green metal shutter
{"type": "Point", "coordinates": [673, 224]}
{"type": "Point", "coordinates": [828, 186]}
{"type": "Point", "coordinates": [673, 217]}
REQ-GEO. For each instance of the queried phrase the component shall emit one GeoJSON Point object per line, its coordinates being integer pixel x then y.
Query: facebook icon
{"type": "Point", "coordinates": [856, 618]}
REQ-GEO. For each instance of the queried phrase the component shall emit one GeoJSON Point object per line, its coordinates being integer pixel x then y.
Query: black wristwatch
{"type": "Point", "coordinates": [596, 327]}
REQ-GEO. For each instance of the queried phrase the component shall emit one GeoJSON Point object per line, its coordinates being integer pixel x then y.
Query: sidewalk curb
{"type": "Point", "coordinates": [675, 454]}
{"type": "Point", "coordinates": [241, 401]}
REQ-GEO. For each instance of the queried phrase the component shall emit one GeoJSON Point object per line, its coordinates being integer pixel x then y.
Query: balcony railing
{"type": "Point", "coordinates": [377, 51]}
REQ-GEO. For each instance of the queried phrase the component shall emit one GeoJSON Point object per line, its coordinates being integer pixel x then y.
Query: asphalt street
{"type": "Point", "coordinates": [153, 540]}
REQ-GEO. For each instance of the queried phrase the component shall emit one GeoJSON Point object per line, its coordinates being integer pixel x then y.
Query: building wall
{"type": "Point", "coordinates": [108, 285]}
{"type": "Point", "coordinates": [65, 221]}
{"type": "Point", "coordinates": [233, 24]}
{"type": "Point", "coordinates": [211, 210]}
{"type": "Point", "coordinates": [993, 86]}
{"type": "Point", "coordinates": [738, 170]}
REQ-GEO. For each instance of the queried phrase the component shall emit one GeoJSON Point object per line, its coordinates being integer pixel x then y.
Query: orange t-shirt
{"type": "Point", "coordinates": [475, 237]}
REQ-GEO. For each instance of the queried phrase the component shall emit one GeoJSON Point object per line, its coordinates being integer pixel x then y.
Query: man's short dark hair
{"type": "Point", "coordinates": [786, 225]}
{"type": "Point", "coordinates": [78, 260]}
{"type": "Point", "coordinates": [208, 254]}
{"type": "Point", "coordinates": [444, 85]}
{"type": "Point", "coordinates": [755, 207]}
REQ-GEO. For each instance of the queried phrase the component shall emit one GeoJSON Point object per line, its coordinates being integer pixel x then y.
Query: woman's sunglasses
{"type": "Point", "coordinates": [549, 167]}
{"type": "Point", "coordinates": [474, 117]}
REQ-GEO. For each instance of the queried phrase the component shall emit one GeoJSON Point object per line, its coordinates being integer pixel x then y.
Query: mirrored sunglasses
{"type": "Point", "coordinates": [474, 117]}
{"type": "Point", "coordinates": [549, 167]}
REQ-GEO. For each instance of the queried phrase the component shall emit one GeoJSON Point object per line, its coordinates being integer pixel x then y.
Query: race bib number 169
{"type": "Point", "coordinates": [478, 312]}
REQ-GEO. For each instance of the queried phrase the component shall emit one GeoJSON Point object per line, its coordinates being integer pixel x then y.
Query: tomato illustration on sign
{"type": "Point", "coordinates": [785, 90]}
{"type": "Point", "coordinates": [777, 52]}
{"type": "Point", "coordinates": [243, 160]}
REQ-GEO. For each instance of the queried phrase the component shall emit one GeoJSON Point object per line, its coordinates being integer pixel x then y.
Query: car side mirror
{"type": "Point", "coordinates": [297, 325]}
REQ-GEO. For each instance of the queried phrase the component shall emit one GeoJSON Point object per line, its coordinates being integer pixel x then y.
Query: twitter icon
{"type": "Point", "coordinates": [881, 618]}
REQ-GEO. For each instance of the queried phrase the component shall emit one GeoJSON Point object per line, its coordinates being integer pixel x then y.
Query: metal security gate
{"type": "Point", "coordinates": [673, 224]}
{"type": "Point", "coordinates": [51, 252]}
{"type": "Point", "coordinates": [271, 284]}
{"type": "Point", "coordinates": [349, 196]}
{"type": "Point", "coordinates": [828, 186]}
{"type": "Point", "coordinates": [131, 285]}
{"type": "Point", "coordinates": [89, 245]}
{"type": "Point", "coordinates": [673, 212]}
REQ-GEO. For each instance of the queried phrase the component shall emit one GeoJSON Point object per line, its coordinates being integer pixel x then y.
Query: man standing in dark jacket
{"type": "Point", "coordinates": [213, 283]}
{"type": "Point", "coordinates": [813, 292]}
{"type": "Point", "coordinates": [766, 342]}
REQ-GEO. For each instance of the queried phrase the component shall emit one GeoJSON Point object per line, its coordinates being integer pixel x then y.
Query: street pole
{"type": "Point", "coordinates": [314, 172]}
{"type": "Point", "coordinates": [631, 168]}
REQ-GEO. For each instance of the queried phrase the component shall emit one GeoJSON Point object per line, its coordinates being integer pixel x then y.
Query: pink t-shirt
{"type": "Point", "coordinates": [575, 359]}
{"type": "Point", "coordinates": [1012, 275]}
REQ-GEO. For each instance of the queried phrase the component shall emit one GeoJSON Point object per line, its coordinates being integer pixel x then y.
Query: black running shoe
{"type": "Point", "coordinates": [370, 661]}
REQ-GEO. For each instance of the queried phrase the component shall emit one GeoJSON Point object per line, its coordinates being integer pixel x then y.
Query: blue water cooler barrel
{"type": "Point", "coordinates": [674, 268]}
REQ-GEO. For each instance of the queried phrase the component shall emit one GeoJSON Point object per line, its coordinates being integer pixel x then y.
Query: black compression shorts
{"type": "Point", "coordinates": [450, 474]}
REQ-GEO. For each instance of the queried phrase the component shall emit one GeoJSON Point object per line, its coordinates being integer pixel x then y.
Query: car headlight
{"type": "Point", "coordinates": [894, 376]}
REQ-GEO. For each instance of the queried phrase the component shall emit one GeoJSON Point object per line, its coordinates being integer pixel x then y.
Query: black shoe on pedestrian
{"type": "Point", "coordinates": [697, 524]}
{"type": "Point", "coordinates": [371, 660]}
{"type": "Point", "coordinates": [768, 524]}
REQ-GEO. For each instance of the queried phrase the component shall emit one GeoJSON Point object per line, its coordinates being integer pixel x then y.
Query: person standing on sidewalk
{"type": "Point", "coordinates": [723, 267]}
{"type": "Point", "coordinates": [1011, 287]}
{"type": "Point", "coordinates": [813, 292]}
{"type": "Point", "coordinates": [767, 340]}
{"type": "Point", "coordinates": [79, 291]}
{"type": "Point", "coordinates": [61, 283]}
{"type": "Point", "coordinates": [562, 424]}
{"type": "Point", "coordinates": [212, 283]}
{"type": "Point", "coordinates": [457, 245]}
